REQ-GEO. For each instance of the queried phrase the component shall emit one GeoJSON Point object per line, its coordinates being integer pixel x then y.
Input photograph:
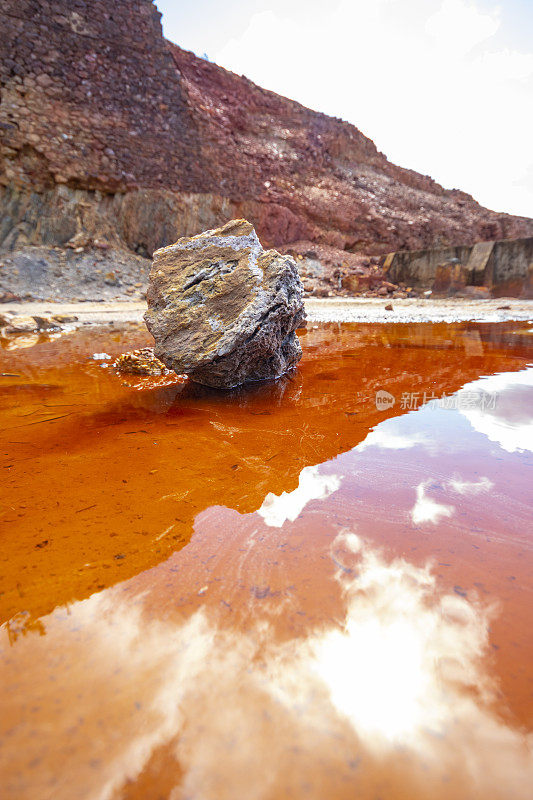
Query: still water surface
{"type": "Point", "coordinates": [284, 592]}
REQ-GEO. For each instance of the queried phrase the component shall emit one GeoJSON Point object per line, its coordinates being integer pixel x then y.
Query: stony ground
{"type": "Point", "coordinates": [318, 310]}
{"type": "Point", "coordinates": [54, 274]}
{"type": "Point", "coordinates": [102, 274]}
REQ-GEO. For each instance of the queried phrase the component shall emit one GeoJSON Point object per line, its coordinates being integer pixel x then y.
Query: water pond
{"type": "Point", "coordinates": [314, 588]}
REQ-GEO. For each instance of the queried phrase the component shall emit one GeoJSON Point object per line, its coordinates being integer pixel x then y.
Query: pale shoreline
{"type": "Point", "coordinates": [356, 309]}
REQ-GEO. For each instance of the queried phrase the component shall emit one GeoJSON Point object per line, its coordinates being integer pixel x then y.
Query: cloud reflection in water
{"type": "Point", "coordinates": [277, 509]}
{"type": "Point", "coordinates": [426, 509]}
{"type": "Point", "coordinates": [396, 692]}
{"type": "Point", "coordinates": [509, 422]}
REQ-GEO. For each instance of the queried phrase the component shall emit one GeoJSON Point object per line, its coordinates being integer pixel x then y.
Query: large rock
{"type": "Point", "coordinates": [223, 310]}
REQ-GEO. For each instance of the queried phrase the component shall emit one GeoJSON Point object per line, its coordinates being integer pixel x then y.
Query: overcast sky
{"type": "Point", "coordinates": [444, 87]}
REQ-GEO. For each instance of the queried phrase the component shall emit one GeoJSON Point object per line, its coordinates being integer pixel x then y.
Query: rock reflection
{"type": "Point", "coordinates": [21, 342]}
{"type": "Point", "coordinates": [392, 699]}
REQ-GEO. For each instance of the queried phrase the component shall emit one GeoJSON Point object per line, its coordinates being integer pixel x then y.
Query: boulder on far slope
{"type": "Point", "coordinates": [223, 310]}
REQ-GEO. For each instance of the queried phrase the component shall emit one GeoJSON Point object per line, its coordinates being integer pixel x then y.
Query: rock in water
{"type": "Point", "coordinates": [140, 362]}
{"type": "Point", "coordinates": [223, 310]}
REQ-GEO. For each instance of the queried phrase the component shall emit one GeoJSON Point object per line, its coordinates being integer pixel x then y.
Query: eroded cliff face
{"type": "Point", "coordinates": [320, 179]}
{"type": "Point", "coordinates": [110, 134]}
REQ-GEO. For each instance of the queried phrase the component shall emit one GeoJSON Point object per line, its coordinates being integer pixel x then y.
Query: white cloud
{"type": "Point", "coordinates": [461, 26]}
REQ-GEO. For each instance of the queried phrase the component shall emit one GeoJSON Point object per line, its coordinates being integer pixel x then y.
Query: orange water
{"type": "Point", "coordinates": [277, 592]}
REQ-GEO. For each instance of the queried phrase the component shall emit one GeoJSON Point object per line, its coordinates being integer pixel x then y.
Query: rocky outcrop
{"type": "Point", "coordinates": [223, 310]}
{"type": "Point", "coordinates": [111, 136]}
{"type": "Point", "coordinates": [503, 268]}
{"type": "Point", "coordinates": [140, 362]}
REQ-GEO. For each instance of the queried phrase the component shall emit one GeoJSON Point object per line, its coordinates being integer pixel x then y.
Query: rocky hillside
{"type": "Point", "coordinates": [319, 178]}
{"type": "Point", "coordinates": [111, 137]}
